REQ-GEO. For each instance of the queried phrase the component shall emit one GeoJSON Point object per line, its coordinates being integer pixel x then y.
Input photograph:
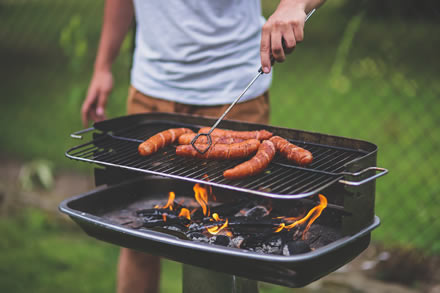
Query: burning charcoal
{"type": "Point", "coordinates": [237, 241]}
{"type": "Point", "coordinates": [272, 246]}
{"type": "Point", "coordinates": [230, 208]}
{"type": "Point", "coordinates": [296, 247]}
{"type": "Point", "coordinates": [244, 225]}
{"type": "Point", "coordinates": [222, 240]}
{"type": "Point", "coordinates": [196, 236]}
{"type": "Point", "coordinates": [257, 212]}
{"type": "Point", "coordinates": [319, 236]}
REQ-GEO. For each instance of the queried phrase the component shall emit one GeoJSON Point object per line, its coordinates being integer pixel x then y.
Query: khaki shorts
{"type": "Point", "coordinates": [255, 110]}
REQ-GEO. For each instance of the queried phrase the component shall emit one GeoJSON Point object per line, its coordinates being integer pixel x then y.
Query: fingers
{"type": "Point", "coordinates": [265, 48]}
{"type": "Point", "coordinates": [280, 35]}
{"type": "Point", "coordinates": [102, 101]}
{"type": "Point", "coordinates": [93, 107]}
{"type": "Point", "coordinates": [86, 108]}
{"type": "Point", "coordinates": [277, 43]}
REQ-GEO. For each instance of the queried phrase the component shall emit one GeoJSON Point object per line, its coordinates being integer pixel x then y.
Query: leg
{"type": "Point", "coordinates": [137, 272]}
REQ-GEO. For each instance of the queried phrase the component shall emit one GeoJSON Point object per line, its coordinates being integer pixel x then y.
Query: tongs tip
{"type": "Point", "coordinates": [209, 142]}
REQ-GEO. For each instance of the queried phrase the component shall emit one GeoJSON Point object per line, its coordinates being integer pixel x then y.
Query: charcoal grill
{"type": "Point", "coordinates": [343, 169]}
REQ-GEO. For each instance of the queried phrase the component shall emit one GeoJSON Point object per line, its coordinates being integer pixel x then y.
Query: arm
{"type": "Point", "coordinates": [118, 15]}
{"type": "Point", "coordinates": [286, 23]}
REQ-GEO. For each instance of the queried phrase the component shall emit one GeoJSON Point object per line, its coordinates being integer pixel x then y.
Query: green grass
{"type": "Point", "coordinates": [41, 254]}
{"type": "Point", "coordinates": [379, 83]}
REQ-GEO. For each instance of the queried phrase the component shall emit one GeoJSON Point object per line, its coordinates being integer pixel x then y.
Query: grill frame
{"type": "Point", "coordinates": [116, 132]}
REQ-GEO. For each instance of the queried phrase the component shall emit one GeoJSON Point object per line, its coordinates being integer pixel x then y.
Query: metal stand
{"type": "Point", "coordinates": [199, 280]}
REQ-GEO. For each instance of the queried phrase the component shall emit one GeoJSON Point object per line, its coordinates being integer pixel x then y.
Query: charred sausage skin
{"type": "Point", "coordinates": [292, 152]}
{"type": "Point", "coordinates": [256, 134]}
{"type": "Point", "coordinates": [202, 139]}
{"type": "Point", "coordinates": [160, 140]}
{"type": "Point", "coordinates": [220, 151]}
{"type": "Point", "coordinates": [266, 152]}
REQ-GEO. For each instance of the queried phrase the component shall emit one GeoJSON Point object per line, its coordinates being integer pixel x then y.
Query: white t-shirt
{"type": "Point", "coordinates": [200, 52]}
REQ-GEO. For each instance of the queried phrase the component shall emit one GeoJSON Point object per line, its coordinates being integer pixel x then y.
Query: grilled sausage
{"type": "Point", "coordinates": [161, 140]}
{"type": "Point", "coordinates": [257, 134]}
{"type": "Point", "coordinates": [220, 151]}
{"type": "Point", "coordinates": [255, 165]}
{"type": "Point", "coordinates": [292, 152]}
{"type": "Point", "coordinates": [188, 137]}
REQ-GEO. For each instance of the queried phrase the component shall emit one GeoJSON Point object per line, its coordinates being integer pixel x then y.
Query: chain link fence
{"type": "Point", "coordinates": [357, 74]}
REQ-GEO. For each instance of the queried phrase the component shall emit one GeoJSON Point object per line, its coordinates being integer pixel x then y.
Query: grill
{"type": "Point", "coordinates": [344, 170]}
{"type": "Point", "coordinates": [117, 147]}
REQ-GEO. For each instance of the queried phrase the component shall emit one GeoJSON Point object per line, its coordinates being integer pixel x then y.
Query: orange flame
{"type": "Point", "coordinates": [205, 177]}
{"type": "Point", "coordinates": [164, 217]}
{"type": "Point", "coordinates": [216, 217]}
{"type": "Point", "coordinates": [185, 213]}
{"type": "Point", "coordinates": [313, 214]}
{"type": "Point", "coordinates": [214, 230]}
{"type": "Point", "coordinates": [322, 205]}
{"type": "Point", "coordinates": [171, 196]}
{"type": "Point", "coordinates": [201, 195]}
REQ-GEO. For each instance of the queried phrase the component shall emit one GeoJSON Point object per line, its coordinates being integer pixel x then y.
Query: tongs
{"type": "Point", "coordinates": [208, 135]}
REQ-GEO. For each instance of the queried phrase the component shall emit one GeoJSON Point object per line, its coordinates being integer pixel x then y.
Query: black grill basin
{"type": "Point", "coordinates": [91, 210]}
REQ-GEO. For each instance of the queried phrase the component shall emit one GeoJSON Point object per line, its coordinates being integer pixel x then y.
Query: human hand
{"type": "Point", "coordinates": [93, 107]}
{"type": "Point", "coordinates": [282, 31]}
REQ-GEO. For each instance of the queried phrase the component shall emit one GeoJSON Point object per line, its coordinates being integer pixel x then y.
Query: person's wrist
{"type": "Point", "coordinates": [104, 67]}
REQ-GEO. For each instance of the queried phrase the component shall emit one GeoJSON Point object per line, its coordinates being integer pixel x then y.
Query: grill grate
{"type": "Point", "coordinates": [279, 180]}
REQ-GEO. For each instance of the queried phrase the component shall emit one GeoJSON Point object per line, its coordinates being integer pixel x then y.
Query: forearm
{"type": "Point", "coordinates": [118, 16]}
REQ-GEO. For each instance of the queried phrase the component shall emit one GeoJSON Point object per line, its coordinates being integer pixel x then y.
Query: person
{"type": "Point", "coordinates": [195, 57]}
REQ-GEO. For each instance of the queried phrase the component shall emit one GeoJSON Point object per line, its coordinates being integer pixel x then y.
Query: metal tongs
{"type": "Point", "coordinates": [208, 135]}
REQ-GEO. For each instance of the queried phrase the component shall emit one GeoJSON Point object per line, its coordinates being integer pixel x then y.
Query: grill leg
{"type": "Point", "coordinates": [199, 280]}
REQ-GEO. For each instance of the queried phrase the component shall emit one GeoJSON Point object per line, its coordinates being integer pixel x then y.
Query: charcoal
{"type": "Point", "coordinates": [273, 245]}
{"type": "Point", "coordinates": [230, 208]}
{"type": "Point", "coordinates": [237, 241]}
{"type": "Point", "coordinates": [196, 236]}
{"type": "Point", "coordinates": [257, 212]}
{"type": "Point", "coordinates": [296, 247]}
{"type": "Point", "coordinates": [319, 236]}
{"type": "Point", "coordinates": [222, 240]}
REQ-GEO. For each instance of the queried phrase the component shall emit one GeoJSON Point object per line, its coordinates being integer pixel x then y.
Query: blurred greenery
{"type": "Point", "coordinates": [359, 74]}
{"type": "Point", "coordinates": [45, 254]}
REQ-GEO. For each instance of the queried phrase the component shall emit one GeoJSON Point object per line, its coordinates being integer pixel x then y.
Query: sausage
{"type": "Point", "coordinates": [220, 151]}
{"type": "Point", "coordinates": [292, 152]}
{"type": "Point", "coordinates": [161, 140]}
{"type": "Point", "coordinates": [202, 139]}
{"type": "Point", "coordinates": [255, 165]}
{"type": "Point", "coordinates": [257, 134]}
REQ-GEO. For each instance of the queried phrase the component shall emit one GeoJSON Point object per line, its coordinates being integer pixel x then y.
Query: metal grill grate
{"type": "Point", "coordinates": [279, 180]}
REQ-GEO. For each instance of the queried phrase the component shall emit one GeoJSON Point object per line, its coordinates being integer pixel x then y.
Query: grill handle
{"type": "Point", "coordinates": [383, 172]}
{"type": "Point", "coordinates": [77, 135]}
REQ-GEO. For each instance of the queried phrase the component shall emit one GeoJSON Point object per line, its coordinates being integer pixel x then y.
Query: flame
{"type": "Point", "coordinates": [313, 214]}
{"type": "Point", "coordinates": [205, 177]}
{"type": "Point", "coordinates": [322, 205]}
{"type": "Point", "coordinates": [216, 217]}
{"type": "Point", "coordinates": [164, 217]}
{"type": "Point", "coordinates": [280, 227]}
{"type": "Point", "coordinates": [214, 230]}
{"type": "Point", "coordinates": [201, 195]}
{"type": "Point", "coordinates": [185, 213]}
{"type": "Point", "coordinates": [171, 196]}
